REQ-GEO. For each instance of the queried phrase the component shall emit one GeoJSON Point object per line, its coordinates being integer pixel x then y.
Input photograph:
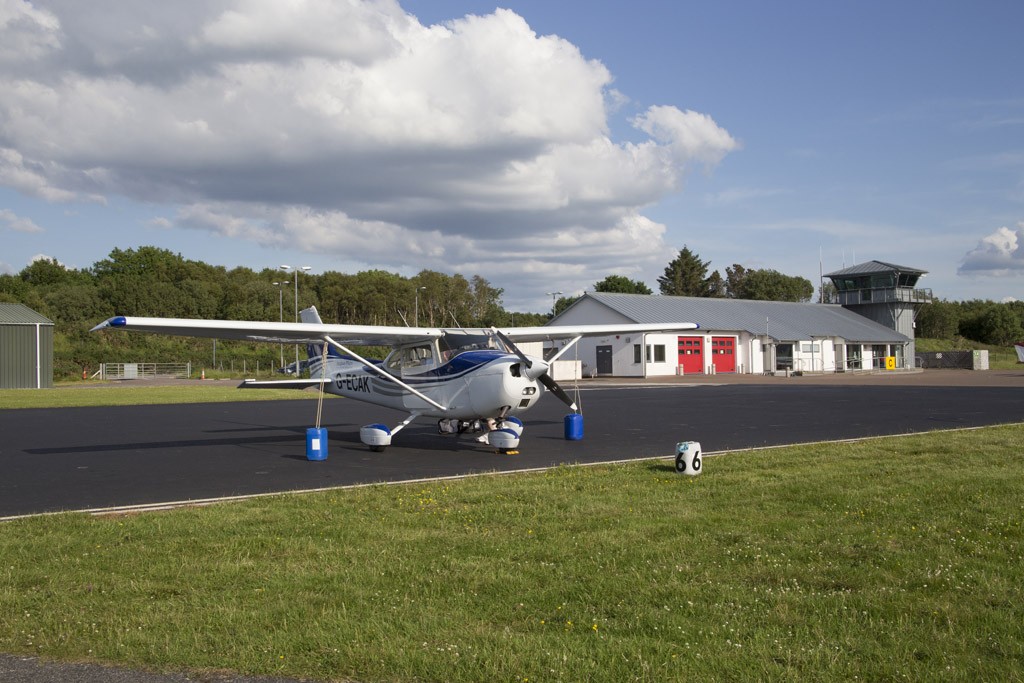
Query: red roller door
{"type": "Point", "coordinates": [723, 354]}
{"type": "Point", "coordinates": [691, 355]}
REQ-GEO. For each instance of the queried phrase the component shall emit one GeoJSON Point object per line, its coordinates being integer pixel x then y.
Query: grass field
{"type": "Point", "coordinates": [123, 393]}
{"type": "Point", "coordinates": [896, 558]}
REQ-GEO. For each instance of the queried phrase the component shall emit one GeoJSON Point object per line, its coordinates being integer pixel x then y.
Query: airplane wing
{"type": "Point", "coordinates": [287, 333]}
{"type": "Point", "coordinates": [364, 335]}
{"type": "Point", "coordinates": [279, 384]}
{"type": "Point", "coordinates": [552, 332]}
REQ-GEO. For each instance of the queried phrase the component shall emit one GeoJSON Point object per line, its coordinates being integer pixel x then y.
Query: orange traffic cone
{"type": "Point", "coordinates": [202, 374]}
{"type": "Point", "coordinates": [84, 373]}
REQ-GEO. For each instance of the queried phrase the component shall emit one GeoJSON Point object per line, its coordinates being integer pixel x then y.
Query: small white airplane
{"type": "Point", "coordinates": [468, 379]}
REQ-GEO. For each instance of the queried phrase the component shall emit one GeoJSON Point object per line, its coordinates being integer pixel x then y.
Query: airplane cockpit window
{"type": "Point", "coordinates": [411, 360]}
{"type": "Point", "coordinates": [455, 342]}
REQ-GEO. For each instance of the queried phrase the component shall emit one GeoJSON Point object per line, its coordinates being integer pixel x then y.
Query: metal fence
{"type": "Point", "coordinates": [946, 359]}
{"type": "Point", "coordinates": [967, 360]}
{"type": "Point", "coordinates": [145, 370]}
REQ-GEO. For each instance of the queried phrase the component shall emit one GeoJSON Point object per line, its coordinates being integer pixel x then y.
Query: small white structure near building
{"type": "Point", "coordinates": [735, 335]}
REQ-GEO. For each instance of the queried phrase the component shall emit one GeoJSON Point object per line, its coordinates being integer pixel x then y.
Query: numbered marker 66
{"type": "Point", "coordinates": [688, 458]}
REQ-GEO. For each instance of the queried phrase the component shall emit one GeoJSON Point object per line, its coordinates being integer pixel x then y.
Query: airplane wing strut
{"type": "Point", "coordinates": [565, 348]}
{"type": "Point", "coordinates": [383, 374]}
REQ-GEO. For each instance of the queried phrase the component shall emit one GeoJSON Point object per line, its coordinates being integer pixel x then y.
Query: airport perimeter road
{"type": "Point", "coordinates": [80, 458]}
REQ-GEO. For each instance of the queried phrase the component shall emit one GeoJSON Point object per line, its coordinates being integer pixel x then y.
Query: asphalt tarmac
{"type": "Point", "coordinates": [83, 458]}
{"type": "Point", "coordinates": [88, 458]}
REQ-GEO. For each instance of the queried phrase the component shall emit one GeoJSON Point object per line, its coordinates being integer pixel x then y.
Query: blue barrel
{"type": "Point", "coordinates": [316, 443]}
{"type": "Point", "coordinates": [573, 427]}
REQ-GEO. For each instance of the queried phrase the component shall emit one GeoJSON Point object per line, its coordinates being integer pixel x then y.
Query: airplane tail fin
{"type": "Point", "coordinates": [310, 316]}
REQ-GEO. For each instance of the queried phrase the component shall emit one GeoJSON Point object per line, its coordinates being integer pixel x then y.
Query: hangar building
{"type": "Point", "coordinates": [26, 348]}
{"type": "Point", "coordinates": [756, 337]}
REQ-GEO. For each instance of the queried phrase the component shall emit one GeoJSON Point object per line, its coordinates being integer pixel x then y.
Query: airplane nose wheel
{"type": "Point", "coordinates": [506, 437]}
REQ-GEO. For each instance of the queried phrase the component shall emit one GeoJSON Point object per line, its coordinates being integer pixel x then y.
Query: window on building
{"type": "Point", "coordinates": [655, 353]}
{"type": "Point", "coordinates": [878, 354]}
{"type": "Point", "coordinates": [784, 357]}
{"type": "Point", "coordinates": [853, 356]}
{"type": "Point", "coordinates": [637, 358]}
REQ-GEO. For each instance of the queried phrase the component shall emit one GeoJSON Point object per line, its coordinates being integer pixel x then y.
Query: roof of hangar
{"type": "Point", "coordinates": [20, 314]}
{"type": "Point", "coordinates": [781, 320]}
{"type": "Point", "coordinates": [872, 267]}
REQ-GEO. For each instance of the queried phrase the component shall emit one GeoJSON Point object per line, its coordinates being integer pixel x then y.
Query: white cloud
{"type": "Point", "coordinates": [689, 135]}
{"type": "Point", "coordinates": [26, 33]}
{"type": "Point", "coordinates": [345, 127]}
{"type": "Point", "coordinates": [18, 223]}
{"type": "Point", "coordinates": [30, 178]}
{"type": "Point", "coordinates": [353, 30]}
{"type": "Point", "coordinates": [998, 254]}
{"type": "Point", "coordinates": [629, 246]}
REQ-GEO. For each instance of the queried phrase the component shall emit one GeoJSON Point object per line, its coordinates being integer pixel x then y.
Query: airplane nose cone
{"type": "Point", "coordinates": [536, 369]}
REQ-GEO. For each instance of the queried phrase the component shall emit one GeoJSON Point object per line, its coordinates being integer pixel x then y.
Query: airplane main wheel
{"type": "Point", "coordinates": [376, 436]}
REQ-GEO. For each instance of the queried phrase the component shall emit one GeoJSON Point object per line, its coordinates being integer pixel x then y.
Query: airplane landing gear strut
{"type": "Point", "coordinates": [378, 436]}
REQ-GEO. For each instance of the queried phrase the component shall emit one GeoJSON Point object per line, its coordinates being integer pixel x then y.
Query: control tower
{"type": "Point", "coordinates": [883, 292]}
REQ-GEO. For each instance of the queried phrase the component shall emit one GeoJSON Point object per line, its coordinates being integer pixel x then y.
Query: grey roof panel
{"type": "Point", "coordinates": [781, 320]}
{"type": "Point", "coordinates": [20, 314]}
{"type": "Point", "coordinates": [870, 267]}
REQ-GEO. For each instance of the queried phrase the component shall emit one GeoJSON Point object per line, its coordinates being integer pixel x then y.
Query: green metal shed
{"type": "Point", "coordinates": [26, 348]}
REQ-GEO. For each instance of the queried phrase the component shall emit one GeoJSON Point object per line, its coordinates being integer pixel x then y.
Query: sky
{"type": "Point", "coordinates": [543, 145]}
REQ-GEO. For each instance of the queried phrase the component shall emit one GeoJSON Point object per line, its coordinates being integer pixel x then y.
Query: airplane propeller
{"type": "Point", "coordinates": [537, 369]}
{"type": "Point", "coordinates": [549, 382]}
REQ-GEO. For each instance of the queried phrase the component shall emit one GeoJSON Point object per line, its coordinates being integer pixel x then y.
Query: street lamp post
{"type": "Point", "coordinates": [553, 301]}
{"type": "Point", "coordinates": [297, 269]}
{"type": "Point", "coordinates": [416, 315]}
{"type": "Point", "coordinates": [280, 310]}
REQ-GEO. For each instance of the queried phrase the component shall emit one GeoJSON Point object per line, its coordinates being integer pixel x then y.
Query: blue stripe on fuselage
{"type": "Point", "coordinates": [462, 364]}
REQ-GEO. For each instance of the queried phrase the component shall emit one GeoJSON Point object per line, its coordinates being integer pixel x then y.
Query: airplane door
{"type": "Point", "coordinates": [604, 360]}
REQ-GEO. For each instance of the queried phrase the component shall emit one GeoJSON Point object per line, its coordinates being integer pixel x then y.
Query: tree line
{"type": "Point", "coordinates": [999, 324]}
{"type": "Point", "coordinates": [150, 281]}
{"type": "Point", "coordinates": [687, 275]}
